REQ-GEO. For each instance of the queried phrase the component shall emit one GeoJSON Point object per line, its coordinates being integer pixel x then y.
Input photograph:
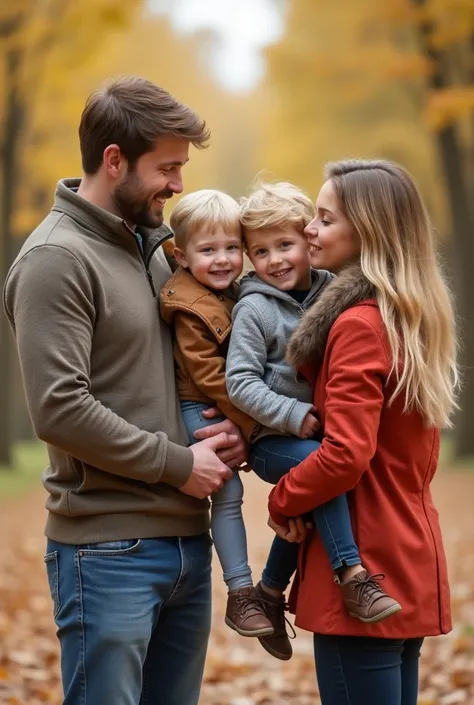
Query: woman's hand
{"type": "Point", "coordinates": [295, 532]}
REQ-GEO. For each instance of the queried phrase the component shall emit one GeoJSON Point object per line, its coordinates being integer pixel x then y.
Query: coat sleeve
{"type": "Point", "coordinates": [206, 366]}
{"type": "Point", "coordinates": [246, 362]}
{"type": "Point", "coordinates": [49, 301]}
{"type": "Point", "coordinates": [357, 369]}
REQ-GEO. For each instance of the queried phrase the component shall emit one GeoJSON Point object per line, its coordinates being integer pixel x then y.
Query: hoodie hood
{"type": "Point", "coordinates": [252, 284]}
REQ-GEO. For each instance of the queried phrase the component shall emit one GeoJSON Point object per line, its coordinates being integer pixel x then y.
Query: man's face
{"type": "Point", "coordinates": [141, 196]}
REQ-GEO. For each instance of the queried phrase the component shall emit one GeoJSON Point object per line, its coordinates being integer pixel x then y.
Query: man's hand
{"type": "Point", "coordinates": [209, 473]}
{"type": "Point", "coordinates": [232, 455]}
{"type": "Point", "coordinates": [295, 532]}
{"type": "Point", "coordinates": [310, 424]}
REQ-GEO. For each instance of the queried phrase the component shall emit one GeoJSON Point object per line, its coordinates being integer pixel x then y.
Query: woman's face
{"type": "Point", "coordinates": [333, 242]}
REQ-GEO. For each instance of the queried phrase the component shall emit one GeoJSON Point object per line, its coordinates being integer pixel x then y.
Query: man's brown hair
{"type": "Point", "coordinates": [134, 113]}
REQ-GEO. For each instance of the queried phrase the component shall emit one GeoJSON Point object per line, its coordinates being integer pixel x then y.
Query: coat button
{"type": "Point", "coordinates": [218, 330]}
{"type": "Point", "coordinates": [170, 292]}
{"type": "Point", "coordinates": [221, 298]}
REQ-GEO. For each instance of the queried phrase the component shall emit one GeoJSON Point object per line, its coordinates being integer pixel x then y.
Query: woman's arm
{"type": "Point", "coordinates": [246, 361]}
{"type": "Point", "coordinates": [358, 367]}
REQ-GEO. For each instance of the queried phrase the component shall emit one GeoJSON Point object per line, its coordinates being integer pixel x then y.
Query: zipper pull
{"type": "Point", "coordinates": [150, 281]}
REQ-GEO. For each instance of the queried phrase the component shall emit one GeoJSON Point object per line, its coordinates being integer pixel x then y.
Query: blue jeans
{"type": "Point", "coordinates": [227, 523]}
{"type": "Point", "coordinates": [271, 458]}
{"type": "Point", "coordinates": [367, 670]}
{"type": "Point", "coordinates": [133, 619]}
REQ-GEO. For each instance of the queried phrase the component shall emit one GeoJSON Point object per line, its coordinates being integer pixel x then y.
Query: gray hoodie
{"type": "Point", "coordinates": [259, 380]}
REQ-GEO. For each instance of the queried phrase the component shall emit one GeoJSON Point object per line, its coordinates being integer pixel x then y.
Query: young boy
{"type": "Point", "coordinates": [263, 385]}
{"type": "Point", "coordinates": [198, 301]}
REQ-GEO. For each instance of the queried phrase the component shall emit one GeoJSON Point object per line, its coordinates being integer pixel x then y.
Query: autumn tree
{"type": "Point", "coordinates": [389, 79]}
{"type": "Point", "coordinates": [29, 33]}
{"type": "Point", "coordinates": [445, 35]}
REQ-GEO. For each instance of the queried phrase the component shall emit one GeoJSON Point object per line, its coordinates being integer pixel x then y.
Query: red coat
{"type": "Point", "coordinates": [384, 458]}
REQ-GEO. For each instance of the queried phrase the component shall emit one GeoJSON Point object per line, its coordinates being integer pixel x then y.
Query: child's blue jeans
{"type": "Point", "coordinates": [227, 524]}
{"type": "Point", "coordinates": [272, 457]}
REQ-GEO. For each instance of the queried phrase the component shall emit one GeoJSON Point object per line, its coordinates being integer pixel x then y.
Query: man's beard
{"type": "Point", "coordinates": [134, 206]}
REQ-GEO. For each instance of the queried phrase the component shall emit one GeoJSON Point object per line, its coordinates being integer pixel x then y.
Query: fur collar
{"type": "Point", "coordinates": [308, 342]}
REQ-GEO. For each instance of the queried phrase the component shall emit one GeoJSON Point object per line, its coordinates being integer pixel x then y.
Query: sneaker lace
{"type": "Point", "coordinates": [273, 610]}
{"type": "Point", "coordinates": [369, 589]}
{"type": "Point", "coordinates": [246, 604]}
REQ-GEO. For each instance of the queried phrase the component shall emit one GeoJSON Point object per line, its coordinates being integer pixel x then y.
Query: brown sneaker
{"type": "Point", "coordinates": [278, 644]}
{"type": "Point", "coordinates": [246, 614]}
{"type": "Point", "coordinates": [365, 599]}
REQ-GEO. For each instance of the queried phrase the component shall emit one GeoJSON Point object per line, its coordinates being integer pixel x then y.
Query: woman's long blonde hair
{"type": "Point", "coordinates": [398, 257]}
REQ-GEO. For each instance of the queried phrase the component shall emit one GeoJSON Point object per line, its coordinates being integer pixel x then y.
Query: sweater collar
{"type": "Point", "coordinates": [104, 224]}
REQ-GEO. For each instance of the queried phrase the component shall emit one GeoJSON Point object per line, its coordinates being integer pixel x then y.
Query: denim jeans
{"type": "Point", "coordinates": [271, 458]}
{"type": "Point", "coordinates": [227, 523]}
{"type": "Point", "coordinates": [367, 670]}
{"type": "Point", "coordinates": [133, 619]}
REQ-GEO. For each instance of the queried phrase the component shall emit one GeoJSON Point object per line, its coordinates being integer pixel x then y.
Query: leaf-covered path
{"type": "Point", "coordinates": [238, 671]}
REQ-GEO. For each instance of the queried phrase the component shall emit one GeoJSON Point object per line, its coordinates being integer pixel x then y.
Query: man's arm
{"type": "Point", "coordinates": [49, 302]}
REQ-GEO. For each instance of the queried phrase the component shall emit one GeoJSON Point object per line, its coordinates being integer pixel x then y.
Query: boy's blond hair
{"type": "Point", "coordinates": [276, 205]}
{"type": "Point", "coordinates": [206, 208]}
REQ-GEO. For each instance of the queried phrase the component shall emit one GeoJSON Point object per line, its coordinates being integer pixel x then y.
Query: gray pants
{"type": "Point", "coordinates": [227, 524]}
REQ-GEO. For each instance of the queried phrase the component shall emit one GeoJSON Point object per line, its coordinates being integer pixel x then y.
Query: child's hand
{"type": "Point", "coordinates": [310, 424]}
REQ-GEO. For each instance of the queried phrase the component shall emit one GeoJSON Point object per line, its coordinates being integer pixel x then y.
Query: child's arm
{"type": "Point", "coordinates": [206, 366]}
{"type": "Point", "coordinates": [246, 362]}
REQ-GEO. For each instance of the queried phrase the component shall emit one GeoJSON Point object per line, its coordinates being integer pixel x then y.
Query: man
{"type": "Point", "coordinates": [129, 553]}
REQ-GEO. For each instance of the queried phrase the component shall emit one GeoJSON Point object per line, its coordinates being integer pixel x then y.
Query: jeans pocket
{"type": "Point", "coordinates": [110, 548]}
{"type": "Point", "coordinates": [51, 562]}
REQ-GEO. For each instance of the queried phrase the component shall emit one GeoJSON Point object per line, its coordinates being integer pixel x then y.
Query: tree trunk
{"type": "Point", "coordinates": [463, 258]}
{"type": "Point", "coordinates": [456, 176]}
{"type": "Point", "coordinates": [11, 133]}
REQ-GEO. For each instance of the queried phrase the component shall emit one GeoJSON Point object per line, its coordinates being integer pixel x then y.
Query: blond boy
{"type": "Point", "coordinates": [198, 302]}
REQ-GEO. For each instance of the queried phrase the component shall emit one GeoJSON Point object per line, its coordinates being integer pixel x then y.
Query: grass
{"type": "Point", "coordinates": [29, 461]}
{"type": "Point", "coordinates": [447, 460]}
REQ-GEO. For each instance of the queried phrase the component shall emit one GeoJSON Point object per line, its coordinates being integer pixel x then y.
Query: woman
{"type": "Point", "coordinates": [379, 345]}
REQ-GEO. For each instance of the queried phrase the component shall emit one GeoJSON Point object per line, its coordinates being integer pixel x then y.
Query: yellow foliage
{"type": "Point", "coordinates": [448, 105]}
{"type": "Point", "coordinates": [141, 44]}
{"type": "Point", "coordinates": [41, 44]}
{"type": "Point", "coordinates": [350, 79]}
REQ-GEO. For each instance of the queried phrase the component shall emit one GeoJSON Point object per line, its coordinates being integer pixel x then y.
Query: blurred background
{"type": "Point", "coordinates": [285, 85]}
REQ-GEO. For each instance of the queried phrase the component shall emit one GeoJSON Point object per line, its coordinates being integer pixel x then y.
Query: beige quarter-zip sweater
{"type": "Point", "coordinates": [97, 365]}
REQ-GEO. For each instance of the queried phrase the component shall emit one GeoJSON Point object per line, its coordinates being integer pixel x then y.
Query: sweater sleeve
{"type": "Point", "coordinates": [354, 398]}
{"type": "Point", "coordinates": [246, 361]}
{"type": "Point", "coordinates": [206, 366]}
{"type": "Point", "coordinates": [53, 317]}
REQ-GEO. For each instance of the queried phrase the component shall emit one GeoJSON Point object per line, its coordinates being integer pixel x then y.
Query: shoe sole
{"type": "Point", "coordinates": [378, 618]}
{"type": "Point", "coordinates": [266, 631]}
{"type": "Point", "coordinates": [275, 654]}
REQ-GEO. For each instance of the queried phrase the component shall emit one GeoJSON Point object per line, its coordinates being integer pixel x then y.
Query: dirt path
{"type": "Point", "coordinates": [238, 671]}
